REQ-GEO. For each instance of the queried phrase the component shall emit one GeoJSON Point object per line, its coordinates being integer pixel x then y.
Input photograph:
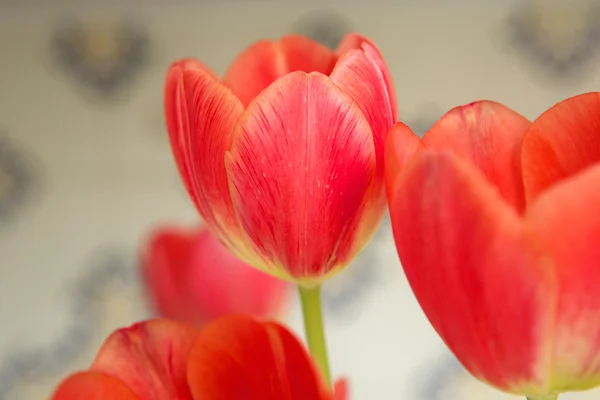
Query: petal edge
{"type": "Point", "coordinates": [93, 386]}
{"type": "Point", "coordinates": [201, 114]}
{"type": "Point", "coordinates": [561, 142]}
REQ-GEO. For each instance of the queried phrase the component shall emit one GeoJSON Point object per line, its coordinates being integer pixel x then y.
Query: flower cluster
{"type": "Point", "coordinates": [292, 159]}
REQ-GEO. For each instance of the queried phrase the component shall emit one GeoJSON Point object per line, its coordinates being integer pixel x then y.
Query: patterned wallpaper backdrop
{"type": "Point", "coordinates": [85, 168]}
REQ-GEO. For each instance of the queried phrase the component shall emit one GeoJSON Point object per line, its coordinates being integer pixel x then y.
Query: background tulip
{"type": "Point", "coordinates": [191, 277]}
{"type": "Point", "coordinates": [232, 358]}
{"type": "Point", "coordinates": [283, 158]}
{"type": "Point", "coordinates": [496, 224]}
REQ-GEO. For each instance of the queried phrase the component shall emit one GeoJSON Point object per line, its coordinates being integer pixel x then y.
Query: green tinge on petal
{"type": "Point", "coordinates": [564, 382]}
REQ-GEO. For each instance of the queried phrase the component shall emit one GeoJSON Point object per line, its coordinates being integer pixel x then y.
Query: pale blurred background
{"type": "Point", "coordinates": [86, 171]}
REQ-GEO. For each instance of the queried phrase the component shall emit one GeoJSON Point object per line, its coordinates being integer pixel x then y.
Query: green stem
{"type": "Point", "coordinates": [313, 326]}
{"type": "Point", "coordinates": [546, 397]}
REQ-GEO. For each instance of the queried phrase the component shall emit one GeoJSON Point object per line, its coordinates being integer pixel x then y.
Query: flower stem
{"type": "Point", "coordinates": [546, 397]}
{"type": "Point", "coordinates": [313, 326]}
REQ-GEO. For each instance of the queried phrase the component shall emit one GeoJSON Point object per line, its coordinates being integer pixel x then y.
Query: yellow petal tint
{"type": "Point", "coordinates": [263, 62]}
{"type": "Point", "coordinates": [472, 268]}
{"type": "Point", "coordinates": [201, 114]}
{"type": "Point", "coordinates": [561, 142]}
{"type": "Point", "coordinates": [300, 167]}
{"type": "Point", "coordinates": [238, 358]}
{"type": "Point", "coordinates": [566, 222]}
{"type": "Point", "coordinates": [93, 386]}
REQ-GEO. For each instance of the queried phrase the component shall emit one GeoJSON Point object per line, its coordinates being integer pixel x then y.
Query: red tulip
{"type": "Point", "coordinates": [232, 358]}
{"type": "Point", "coordinates": [496, 223]}
{"type": "Point", "coordinates": [191, 277]}
{"type": "Point", "coordinates": [283, 157]}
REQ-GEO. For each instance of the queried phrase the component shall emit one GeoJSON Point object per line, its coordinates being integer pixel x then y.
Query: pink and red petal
{"type": "Point", "coordinates": [237, 357]}
{"type": "Point", "coordinates": [201, 114]}
{"type": "Point", "coordinates": [150, 358]}
{"type": "Point", "coordinates": [359, 77]}
{"type": "Point", "coordinates": [191, 277]}
{"type": "Point", "coordinates": [221, 284]}
{"type": "Point", "coordinates": [177, 118]}
{"type": "Point", "coordinates": [300, 167]}
{"type": "Point", "coordinates": [566, 222]}
{"type": "Point", "coordinates": [93, 386]}
{"type": "Point", "coordinates": [265, 61]}
{"type": "Point", "coordinates": [166, 264]}
{"type": "Point", "coordinates": [488, 135]}
{"type": "Point", "coordinates": [471, 267]}
{"type": "Point", "coordinates": [561, 142]}
{"type": "Point", "coordinates": [355, 41]}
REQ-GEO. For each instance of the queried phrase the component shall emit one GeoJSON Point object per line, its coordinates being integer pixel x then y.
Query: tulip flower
{"type": "Point", "coordinates": [191, 277]}
{"type": "Point", "coordinates": [496, 224]}
{"type": "Point", "coordinates": [232, 358]}
{"type": "Point", "coordinates": [283, 156]}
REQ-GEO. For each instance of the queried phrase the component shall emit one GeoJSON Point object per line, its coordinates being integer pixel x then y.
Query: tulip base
{"type": "Point", "coordinates": [313, 326]}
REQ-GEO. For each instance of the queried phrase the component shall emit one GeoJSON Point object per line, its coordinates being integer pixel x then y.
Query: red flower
{"type": "Point", "coordinates": [191, 277]}
{"type": "Point", "coordinates": [232, 358]}
{"type": "Point", "coordinates": [283, 157]}
{"type": "Point", "coordinates": [496, 223]}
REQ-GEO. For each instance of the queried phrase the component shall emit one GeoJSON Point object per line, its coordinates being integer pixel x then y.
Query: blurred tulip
{"type": "Point", "coordinates": [497, 226]}
{"type": "Point", "coordinates": [191, 277]}
{"type": "Point", "coordinates": [232, 358]}
{"type": "Point", "coordinates": [283, 157]}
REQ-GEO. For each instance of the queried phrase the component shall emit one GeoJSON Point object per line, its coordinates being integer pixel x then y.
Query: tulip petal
{"type": "Point", "coordinates": [166, 263]}
{"type": "Point", "coordinates": [93, 386]}
{"type": "Point", "coordinates": [201, 114]}
{"type": "Point", "coordinates": [359, 42]}
{"type": "Point", "coordinates": [238, 358]}
{"type": "Point", "coordinates": [566, 221]}
{"type": "Point", "coordinates": [359, 76]}
{"type": "Point", "coordinates": [150, 358]}
{"type": "Point", "coordinates": [561, 142]}
{"type": "Point", "coordinates": [489, 135]}
{"type": "Point", "coordinates": [265, 61]}
{"type": "Point", "coordinates": [466, 257]}
{"type": "Point", "coordinates": [300, 166]}
{"type": "Point", "coordinates": [223, 284]}
{"type": "Point", "coordinates": [341, 390]}
{"type": "Point", "coordinates": [401, 145]}
{"type": "Point", "coordinates": [191, 277]}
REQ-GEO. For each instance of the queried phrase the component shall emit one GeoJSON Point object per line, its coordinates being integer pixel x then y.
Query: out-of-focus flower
{"type": "Point", "coordinates": [191, 277]}
{"type": "Point", "coordinates": [231, 358]}
{"type": "Point", "coordinates": [283, 157]}
{"type": "Point", "coordinates": [497, 226]}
